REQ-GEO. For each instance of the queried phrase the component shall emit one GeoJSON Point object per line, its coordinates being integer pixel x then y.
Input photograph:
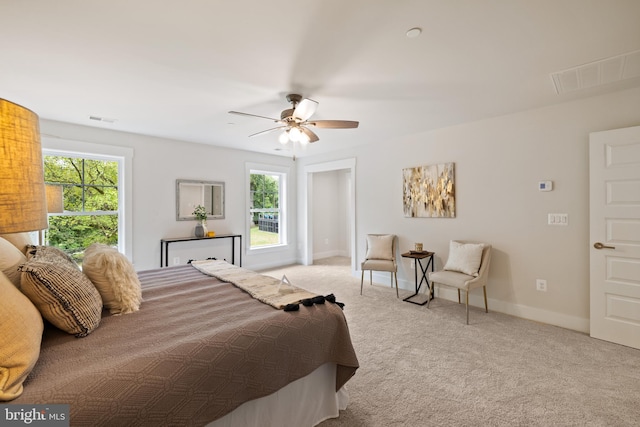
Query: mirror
{"type": "Point", "coordinates": [190, 194]}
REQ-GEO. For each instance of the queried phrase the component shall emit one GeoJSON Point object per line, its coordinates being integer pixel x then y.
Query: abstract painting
{"type": "Point", "coordinates": [429, 191]}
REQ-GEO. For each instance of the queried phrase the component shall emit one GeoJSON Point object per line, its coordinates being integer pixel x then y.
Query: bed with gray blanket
{"type": "Point", "coordinates": [196, 350]}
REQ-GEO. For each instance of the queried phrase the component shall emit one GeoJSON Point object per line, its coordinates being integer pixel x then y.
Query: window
{"type": "Point", "coordinates": [91, 201]}
{"type": "Point", "coordinates": [267, 208]}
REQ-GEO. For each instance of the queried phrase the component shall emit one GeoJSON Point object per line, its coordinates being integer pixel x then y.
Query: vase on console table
{"type": "Point", "coordinates": [201, 228]}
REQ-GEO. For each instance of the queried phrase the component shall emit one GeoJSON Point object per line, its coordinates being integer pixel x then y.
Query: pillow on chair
{"type": "Point", "coordinates": [464, 257]}
{"type": "Point", "coordinates": [380, 247]}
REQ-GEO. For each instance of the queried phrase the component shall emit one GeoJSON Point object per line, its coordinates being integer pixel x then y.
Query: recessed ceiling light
{"type": "Point", "coordinates": [414, 32]}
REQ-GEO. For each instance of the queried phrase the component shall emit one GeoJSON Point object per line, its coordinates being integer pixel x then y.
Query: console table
{"type": "Point", "coordinates": [417, 261]}
{"type": "Point", "coordinates": [164, 246]}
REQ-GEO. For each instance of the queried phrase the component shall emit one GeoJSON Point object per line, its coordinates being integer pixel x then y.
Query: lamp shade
{"type": "Point", "coordinates": [54, 198]}
{"type": "Point", "coordinates": [22, 196]}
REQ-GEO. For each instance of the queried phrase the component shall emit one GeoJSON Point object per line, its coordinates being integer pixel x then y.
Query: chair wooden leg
{"type": "Point", "coordinates": [371, 277]}
{"type": "Point", "coordinates": [396, 276]}
{"type": "Point", "coordinates": [458, 296]}
{"type": "Point", "coordinates": [467, 303]}
{"type": "Point", "coordinates": [361, 282]}
{"type": "Point", "coordinates": [486, 307]}
{"type": "Point", "coordinates": [430, 290]}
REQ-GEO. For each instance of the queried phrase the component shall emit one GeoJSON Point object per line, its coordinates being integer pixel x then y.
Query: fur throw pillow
{"type": "Point", "coordinates": [114, 277]}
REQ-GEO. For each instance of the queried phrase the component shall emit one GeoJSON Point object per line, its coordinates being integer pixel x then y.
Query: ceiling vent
{"type": "Point", "coordinates": [605, 71]}
{"type": "Point", "coordinates": [102, 119]}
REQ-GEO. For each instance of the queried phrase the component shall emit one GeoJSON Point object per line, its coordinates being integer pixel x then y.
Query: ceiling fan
{"type": "Point", "coordinates": [295, 122]}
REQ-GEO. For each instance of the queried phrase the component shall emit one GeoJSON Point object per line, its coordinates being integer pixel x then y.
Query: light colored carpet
{"type": "Point", "coordinates": [425, 367]}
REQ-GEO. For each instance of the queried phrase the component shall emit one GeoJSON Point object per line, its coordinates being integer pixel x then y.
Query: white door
{"type": "Point", "coordinates": [615, 235]}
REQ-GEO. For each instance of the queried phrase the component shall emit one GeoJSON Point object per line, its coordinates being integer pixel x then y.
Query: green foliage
{"type": "Point", "coordinates": [89, 187]}
{"type": "Point", "coordinates": [200, 213]}
{"type": "Point", "coordinates": [265, 192]}
{"type": "Point", "coordinates": [73, 234]}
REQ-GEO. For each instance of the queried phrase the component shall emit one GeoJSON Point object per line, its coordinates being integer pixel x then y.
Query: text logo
{"type": "Point", "coordinates": [34, 415]}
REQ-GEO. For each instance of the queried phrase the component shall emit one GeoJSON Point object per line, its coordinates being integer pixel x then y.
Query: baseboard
{"type": "Point", "coordinates": [329, 254]}
{"type": "Point", "coordinates": [272, 265]}
{"type": "Point", "coordinates": [476, 299]}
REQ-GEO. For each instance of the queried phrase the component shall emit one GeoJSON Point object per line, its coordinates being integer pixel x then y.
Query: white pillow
{"type": "Point", "coordinates": [10, 259]}
{"type": "Point", "coordinates": [380, 247]}
{"type": "Point", "coordinates": [19, 240]}
{"type": "Point", "coordinates": [464, 257]}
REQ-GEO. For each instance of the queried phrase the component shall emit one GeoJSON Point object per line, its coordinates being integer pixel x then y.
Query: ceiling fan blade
{"type": "Point", "coordinates": [253, 115]}
{"type": "Point", "coordinates": [312, 136]}
{"type": "Point", "coordinates": [334, 124]}
{"type": "Point", "coordinates": [305, 109]}
{"type": "Point", "coordinates": [267, 131]}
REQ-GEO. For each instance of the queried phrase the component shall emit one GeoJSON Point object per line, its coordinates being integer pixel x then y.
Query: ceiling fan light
{"type": "Point", "coordinates": [305, 109]}
{"type": "Point", "coordinates": [283, 138]}
{"type": "Point", "coordinates": [295, 134]}
{"type": "Point", "coordinates": [304, 139]}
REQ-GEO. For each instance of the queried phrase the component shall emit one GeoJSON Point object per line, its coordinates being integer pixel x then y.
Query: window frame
{"type": "Point", "coordinates": [283, 225]}
{"type": "Point", "coordinates": [124, 157]}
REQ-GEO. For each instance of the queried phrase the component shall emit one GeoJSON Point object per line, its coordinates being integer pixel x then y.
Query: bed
{"type": "Point", "coordinates": [199, 351]}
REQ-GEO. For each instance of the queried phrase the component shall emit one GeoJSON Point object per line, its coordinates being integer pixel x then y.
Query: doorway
{"type": "Point", "coordinates": [315, 229]}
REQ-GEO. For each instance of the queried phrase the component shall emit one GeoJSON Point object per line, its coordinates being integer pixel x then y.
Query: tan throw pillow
{"type": "Point", "coordinates": [10, 259]}
{"type": "Point", "coordinates": [114, 277]}
{"type": "Point", "coordinates": [50, 253]}
{"type": "Point", "coordinates": [464, 257]}
{"type": "Point", "coordinates": [19, 240]}
{"type": "Point", "coordinates": [63, 294]}
{"type": "Point", "coordinates": [20, 337]}
{"type": "Point", "coordinates": [380, 247]}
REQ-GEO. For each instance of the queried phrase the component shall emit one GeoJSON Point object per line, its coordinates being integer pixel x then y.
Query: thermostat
{"type": "Point", "coordinates": [545, 185]}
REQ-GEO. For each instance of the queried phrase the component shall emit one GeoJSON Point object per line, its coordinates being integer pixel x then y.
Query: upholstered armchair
{"type": "Point", "coordinates": [380, 256]}
{"type": "Point", "coordinates": [466, 268]}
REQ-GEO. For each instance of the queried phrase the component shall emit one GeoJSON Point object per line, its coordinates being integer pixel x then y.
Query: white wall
{"type": "Point", "coordinates": [498, 163]}
{"type": "Point", "coordinates": [157, 163]}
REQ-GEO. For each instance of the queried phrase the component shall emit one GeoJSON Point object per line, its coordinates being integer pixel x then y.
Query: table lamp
{"type": "Point", "coordinates": [23, 205]}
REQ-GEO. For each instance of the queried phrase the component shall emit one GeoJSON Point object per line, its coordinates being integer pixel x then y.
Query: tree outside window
{"type": "Point", "coordinates": [90, 199]}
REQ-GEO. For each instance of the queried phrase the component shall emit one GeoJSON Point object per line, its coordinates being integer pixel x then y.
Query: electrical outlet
{"type": "Point", "coordinates": [541, 285]}
{"type": "Point", "coordinates": [326, 241]}
{"type": "Point", "coordinates": [176, 260]}
{"type": "Point", "coordinates": [412, 264]}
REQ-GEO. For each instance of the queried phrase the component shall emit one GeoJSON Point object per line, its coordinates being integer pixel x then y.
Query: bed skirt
{"type": "Point", "coordinates": [304, 402]}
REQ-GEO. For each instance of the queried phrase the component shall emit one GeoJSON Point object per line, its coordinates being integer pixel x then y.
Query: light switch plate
{"type": "Point", "coordinates": [558, 219]}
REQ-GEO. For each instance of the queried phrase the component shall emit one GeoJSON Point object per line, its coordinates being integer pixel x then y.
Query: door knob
{"type": "Point", "coordinates": [599, 245]}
